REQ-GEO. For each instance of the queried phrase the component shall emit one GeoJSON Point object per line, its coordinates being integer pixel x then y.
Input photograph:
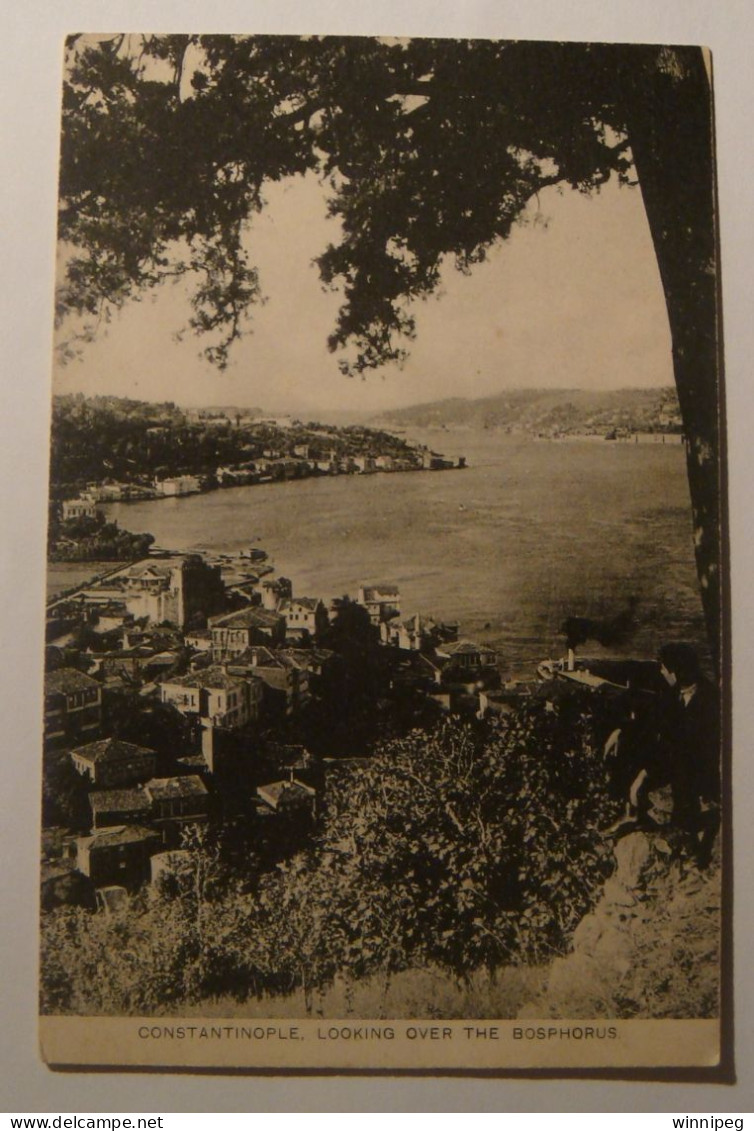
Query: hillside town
{"type": "Point", "coordinates": [187, 691]}
{"type": "Point", "coordinates": [192, 695]}
{"type": "Point", "coordinates": [107, 449]}
{"type": "Point", "coordinates": [650, 415]}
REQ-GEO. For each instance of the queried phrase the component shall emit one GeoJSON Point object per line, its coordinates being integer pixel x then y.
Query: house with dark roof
{"type": "Point", "coordinates": [317, 661]}
{"type": "Point", "coordinates": [113, 807]}
{"type": "Point", "coordinates": [175, 803]}
{"type": "Point", "coordinates": [233, 633]}
{"type": "Point", "coordinates": [222, 699]}
{"type": "Point", "coordinates": [419, 671]}
{"type": "Point", "coordinates": [289, 796]}
{"type": "Point", "coordinates": [223, 702]}
{"type": "Point", "coordinates": [285, 678]}
{"type": "Point", "coordinates": [128, 663]}
{"type": "Point", "coordinates": [113, 762]}
{"type": "Point", "coordinates": [305, 617]}
{"type": "Point", "coordinates": [72, 705]}
{"type": "Point", "coordinates": [467, 666]}
{"type": "Point", "coordinates": [467, 654]}
{"type": "Point", "coordinates": [117, 855]}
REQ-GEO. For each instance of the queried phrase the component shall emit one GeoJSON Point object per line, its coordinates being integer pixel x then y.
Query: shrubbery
{"type": "Point", "coordinates": [465, 849]}
{"type": "Point", "coordinates": [88, 539]}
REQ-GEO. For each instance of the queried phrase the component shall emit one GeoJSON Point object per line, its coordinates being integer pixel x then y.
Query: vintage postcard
{"type": "Point", "coordinates": [386, 700]}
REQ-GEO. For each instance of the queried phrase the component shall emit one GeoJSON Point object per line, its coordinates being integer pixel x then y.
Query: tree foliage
{"type": "Point", "coordinates": [93, 539]}
{"type": "Point", "coordinates": [463, 849]}
{"type": "Point", "coordinates": [65, 795]}
{"type": "Point", "coordinates": [428, 149]}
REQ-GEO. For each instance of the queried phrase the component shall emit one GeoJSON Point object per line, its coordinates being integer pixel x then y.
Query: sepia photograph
{"type": "Point", "coordinates": [386, 697]}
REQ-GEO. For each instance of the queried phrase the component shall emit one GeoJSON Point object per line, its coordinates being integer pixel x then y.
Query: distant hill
{"type": "Point", "coordinates": [548, 412]}
{"type": "Point", "coordinates": [116, 440]}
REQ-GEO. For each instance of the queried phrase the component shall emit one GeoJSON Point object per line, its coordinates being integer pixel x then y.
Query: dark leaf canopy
{"type": "Point", "coordinates": [428, 149]}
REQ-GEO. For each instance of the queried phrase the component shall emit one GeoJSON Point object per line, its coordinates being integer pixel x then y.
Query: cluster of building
{"type": "Point", "coordinates": [303, 460]}
{"type": "Point", "coordinates": [232, 653]}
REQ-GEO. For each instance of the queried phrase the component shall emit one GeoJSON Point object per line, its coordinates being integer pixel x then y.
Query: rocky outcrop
{"type": "Point", "coordinates": [650, 947]}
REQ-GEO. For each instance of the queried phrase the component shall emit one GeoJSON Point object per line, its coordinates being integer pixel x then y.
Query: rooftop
{"type": "Point", "coordinates": [465, 648]}
{"type": "Point", "coordinates": [119, 834]}
{"type": "Point", "coordinates": [140, 652]}
{"type": "Point", "coordinates": [274, 792]}
{"type": "Point", "coordinates": [302, 602]}
{"type": "Point", "coordinates": [214, 678]}
{"type": "Point", "coordinates": [67, 680]}
{"type": "Point", "coordinates": [265, 658]}
{"type": "Point", "coordinates": [307, 657]}
{"type": "Point", "coordinates": [252, 617]}
{"type": "Point", "coordinates": [110, 800]}
{"type": "Point", "coordinates": [110, 750]}
{"type": "Point", "coordinates": [156, 568]}
{"type": "Point", "coordinates": [162, 789]}
{"type": "Point", "coordinates": [256, 656]}
{"type": "Point", "coordinates": [380, 592]}
{"type": "Point", "coordinates": [416, 623]}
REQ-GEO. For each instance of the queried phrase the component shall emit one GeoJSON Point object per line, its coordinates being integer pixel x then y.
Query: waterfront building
{"type": "Point", "coordinates": [381, 601]}
{"type": "Point", "coordinates": [417, 634]}
{"type": "Point", "coordinates": [274, 591]}
{"type": "Point", "coordinates": [468, 667]}
{"type": "Point", "coordinates": [78, 508]}
{"type": "Point", "coordinates": [179, 590]}
{"type": "Point", "coordinates": [178, 485]}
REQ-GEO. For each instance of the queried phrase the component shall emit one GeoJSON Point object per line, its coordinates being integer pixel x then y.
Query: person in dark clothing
{"type": "Point", "coordinates": [674, 741]}
{"type": "Point", "coordinates": [694, 748]}
{"type": "Point", "coordinates": [635, 752]}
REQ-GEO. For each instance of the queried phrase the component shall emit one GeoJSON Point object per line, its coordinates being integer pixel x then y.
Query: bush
{"type": "Point", "coordinates": [466, 849]}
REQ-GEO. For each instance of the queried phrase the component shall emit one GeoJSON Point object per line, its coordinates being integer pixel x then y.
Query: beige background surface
{"type": "Point", "coordinates": [471, 1045]}
{"type": "Point", "coordinates": [30, 80]}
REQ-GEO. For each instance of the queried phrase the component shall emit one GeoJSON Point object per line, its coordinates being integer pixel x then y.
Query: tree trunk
{"type": "Point", "coordinates": [669, 124]}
